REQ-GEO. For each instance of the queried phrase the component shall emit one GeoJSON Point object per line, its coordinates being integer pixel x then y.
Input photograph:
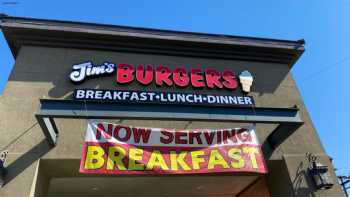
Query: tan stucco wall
{"type": "Point", "coordinates": [41, 72]}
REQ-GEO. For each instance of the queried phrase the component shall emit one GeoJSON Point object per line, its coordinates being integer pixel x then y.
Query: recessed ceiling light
{"type": "Point", "coordinates": [95, 189]}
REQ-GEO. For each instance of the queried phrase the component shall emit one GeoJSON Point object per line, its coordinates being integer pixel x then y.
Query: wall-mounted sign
{"type": "Point", "coordinates": [162, 75]}
{"type": "Point", "coordinates": [246, 80]}
{"type": "Point", "coordinates": [122, 149]}
{"type": "Point", "coordinates": [87, 69]}
{"type": "Point", "coordinates": [126, 96]}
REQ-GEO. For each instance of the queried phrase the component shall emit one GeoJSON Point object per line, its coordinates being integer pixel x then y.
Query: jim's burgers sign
{"type": "Point", "coordinates": [163, 76]}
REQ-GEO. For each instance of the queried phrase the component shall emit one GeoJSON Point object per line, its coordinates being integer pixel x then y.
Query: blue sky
{"type": "Point", "coordinates": [321, 73]}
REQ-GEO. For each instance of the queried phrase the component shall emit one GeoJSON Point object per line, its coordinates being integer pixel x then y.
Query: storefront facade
{"type": "Point", "coordinates": [67, 74]}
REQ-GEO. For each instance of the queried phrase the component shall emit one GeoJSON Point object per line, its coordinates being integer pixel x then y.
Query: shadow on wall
{"type": "Point", "coordinates": [302, 183]}
{"type": "Point", "coordinates": [27, 159]}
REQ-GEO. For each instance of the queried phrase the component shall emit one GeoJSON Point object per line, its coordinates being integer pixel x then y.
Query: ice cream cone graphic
{"type": "Point", "coordinates": [246, 80]}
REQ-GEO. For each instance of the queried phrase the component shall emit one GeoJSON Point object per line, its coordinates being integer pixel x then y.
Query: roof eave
{"type": "Point", "coordinates": [21, 31]}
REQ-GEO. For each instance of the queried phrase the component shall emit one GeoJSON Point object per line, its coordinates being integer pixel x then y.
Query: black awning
{"type": "Point", "coordinates": [288, 119]}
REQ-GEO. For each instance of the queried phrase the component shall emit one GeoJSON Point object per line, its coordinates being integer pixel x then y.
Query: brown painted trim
{"type": "Point", "coordinates": [121, 30]}
{"type": "Point", "coordinates": [21, 31]}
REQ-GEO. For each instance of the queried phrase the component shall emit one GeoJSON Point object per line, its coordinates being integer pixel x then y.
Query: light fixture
{"type": "Point", "coordinates": [319, 173]}
{"type": "Point", "coordinates": [3, 171]}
